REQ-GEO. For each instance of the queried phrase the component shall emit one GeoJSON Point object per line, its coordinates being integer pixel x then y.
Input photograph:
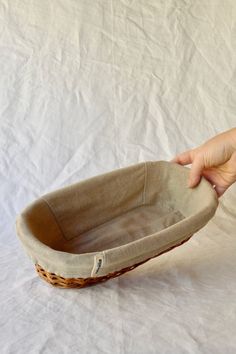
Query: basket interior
{"type": "Point", "coordinates": [130, 226]}
{"type": "Point", "coordinates": [114, 209]}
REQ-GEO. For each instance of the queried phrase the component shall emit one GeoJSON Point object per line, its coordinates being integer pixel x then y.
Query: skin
{"type": "Point", "coordinates": [215, 160]}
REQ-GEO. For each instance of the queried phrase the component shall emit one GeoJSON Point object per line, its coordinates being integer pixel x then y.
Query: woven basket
{"type": "Point", "coordinates": [109, 224]}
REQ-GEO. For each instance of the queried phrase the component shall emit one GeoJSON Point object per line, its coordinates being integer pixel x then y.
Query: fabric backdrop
{"type": "Point", "coordinates": [90, 86]}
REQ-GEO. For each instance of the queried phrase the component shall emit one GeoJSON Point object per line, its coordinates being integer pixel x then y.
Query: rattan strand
{"type": "Point", "coordinates": [61, 282]}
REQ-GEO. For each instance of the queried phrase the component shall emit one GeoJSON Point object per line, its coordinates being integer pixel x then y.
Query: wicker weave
{"type": "Point", "coordinates": [62, 282]}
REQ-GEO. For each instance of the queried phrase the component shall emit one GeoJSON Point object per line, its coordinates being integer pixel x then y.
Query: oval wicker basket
{"type": "Point", "coordinates": [109, 224]}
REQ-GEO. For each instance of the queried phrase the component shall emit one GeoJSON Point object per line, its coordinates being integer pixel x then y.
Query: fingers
{"type": "Point", "coordinates": [183, 159]}
{"type": "Point", "coordinates": [189, 157]}
{"type": "Point", "coordinates": [192, 157]}
{"type": "Point", "coordinates": [205, 162]}
{"type": "Point", "coordinates": [195, 172]}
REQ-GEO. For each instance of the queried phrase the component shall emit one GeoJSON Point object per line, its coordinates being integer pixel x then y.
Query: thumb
{"type": "Point", "coordinates": [220, 190]}
{"type": "Point", "coordinates": [195, 172]}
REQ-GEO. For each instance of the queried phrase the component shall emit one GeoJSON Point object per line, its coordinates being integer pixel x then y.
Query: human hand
{"type": "Point", "coordinates": [215, 160]}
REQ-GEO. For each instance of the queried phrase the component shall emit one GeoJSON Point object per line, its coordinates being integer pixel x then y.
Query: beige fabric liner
{"type": "Point", "coordinates": [118, 219]}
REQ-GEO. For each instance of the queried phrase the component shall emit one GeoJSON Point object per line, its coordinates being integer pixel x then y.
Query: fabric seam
{"type": "Point", "coordinates": [55, 218]}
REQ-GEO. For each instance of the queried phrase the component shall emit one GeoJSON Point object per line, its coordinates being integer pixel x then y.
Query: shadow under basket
{"type": "Point", "coordinates": [107, 225]}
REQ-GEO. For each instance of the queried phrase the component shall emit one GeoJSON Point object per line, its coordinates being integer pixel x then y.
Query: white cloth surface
{"type": "Point", "coordinates": [90, 86]}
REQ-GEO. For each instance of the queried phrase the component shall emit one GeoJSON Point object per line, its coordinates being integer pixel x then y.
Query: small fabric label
{"type": "Point", "coordinates": [98, 264]}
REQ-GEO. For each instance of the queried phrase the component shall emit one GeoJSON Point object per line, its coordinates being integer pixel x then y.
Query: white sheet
{"type": "Point", "coordinates": [90, 86]}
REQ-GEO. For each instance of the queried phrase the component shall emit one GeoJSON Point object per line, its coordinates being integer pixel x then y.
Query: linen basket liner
{"type": "Point", "coordinates": [114, 220]}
